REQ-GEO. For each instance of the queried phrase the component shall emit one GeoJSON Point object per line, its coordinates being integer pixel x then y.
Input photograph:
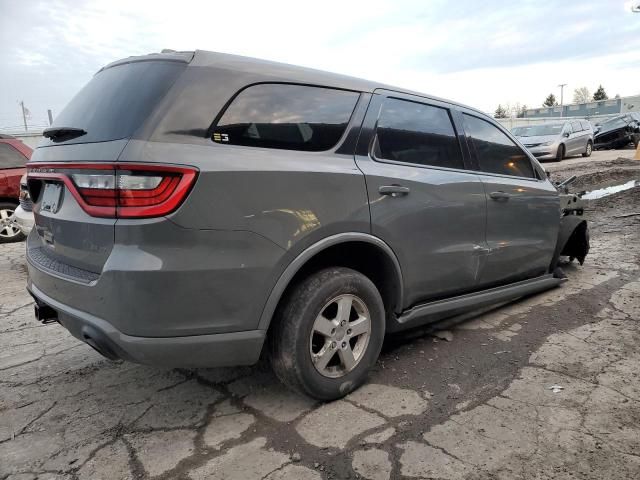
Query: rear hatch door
{"type": "Point", "coordinates": [88, 136]}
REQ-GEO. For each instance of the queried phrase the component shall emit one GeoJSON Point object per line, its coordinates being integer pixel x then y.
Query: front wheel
{"type": "Point", "coordinates": [328, 333]}
{"type": "Point", "coordinates": [589, 150]}
{"type": "Point", "coordinates": [9, 230]}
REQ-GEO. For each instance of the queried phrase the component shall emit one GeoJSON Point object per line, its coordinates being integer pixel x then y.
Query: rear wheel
{"type": "Point", "coordinates": [9, 230]}
{"type": "Point", "coordinates": [560, 153]}
{"type": "Point", "coordinates": [589, 150]}
{"type": "Point", "coordinates": [328, 334]}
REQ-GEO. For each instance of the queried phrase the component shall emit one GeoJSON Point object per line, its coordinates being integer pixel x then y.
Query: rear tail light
{"type": "Point", "coordinates": [121, 190]}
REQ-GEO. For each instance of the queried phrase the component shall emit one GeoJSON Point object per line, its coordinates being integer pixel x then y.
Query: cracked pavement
{"type": "Point", "coordinates": [480, 406]}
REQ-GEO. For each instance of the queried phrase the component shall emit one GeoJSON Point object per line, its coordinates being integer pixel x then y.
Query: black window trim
{"type": "Point", "coordinates": [423, 101]}
{"type": "Point", "coordinates": [474, 155]}
{"type": "Point", "coordinates": [341, 140]}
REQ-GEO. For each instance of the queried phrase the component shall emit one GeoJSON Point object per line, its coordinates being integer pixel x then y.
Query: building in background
{"type": "Point", "coordinates": [613, 106]}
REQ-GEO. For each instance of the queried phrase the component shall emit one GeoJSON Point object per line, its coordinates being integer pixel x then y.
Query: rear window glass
{"type": "Point", "coordinates": [292, 117]}
{"type": "Point", "coordinates": [10, 157]}
{"type": "Point", "coordinates": [117, 100]}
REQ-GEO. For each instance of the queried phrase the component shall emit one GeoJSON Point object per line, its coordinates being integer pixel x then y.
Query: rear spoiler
{"type": "Point", "coordinates": [164, 56]}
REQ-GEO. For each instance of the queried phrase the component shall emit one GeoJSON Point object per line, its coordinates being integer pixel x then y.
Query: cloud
{"type": "Point", "coordinates": [481, 53]}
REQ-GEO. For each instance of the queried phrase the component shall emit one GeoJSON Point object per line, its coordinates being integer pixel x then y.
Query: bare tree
{"type": "Point", "coordinates": [581, 95]}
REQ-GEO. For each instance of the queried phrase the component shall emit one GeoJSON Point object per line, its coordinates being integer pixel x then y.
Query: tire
{"type": "Point", "coordinates": [295, 336]}
{"type": "Point", "coordinates": [560, 153]}
{"type": "Point", "coordinates": [9, 230]}
{"type": "Point", "coordinates": [589, 150]}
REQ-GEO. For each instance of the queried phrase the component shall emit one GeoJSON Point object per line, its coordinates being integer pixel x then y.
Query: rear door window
{"type": "Point", "coordinates": [576, 126]}
{"type": "Point", "coordinates": [495, 151]}
{"type": "Point", "coordinates": [10, 157]}
{"type": "Point", "coordinates": [118, 99]}
{"type": "Point", "coordinates": [412, 132]}
{"type": "Point", "coordinates": [285, 116]}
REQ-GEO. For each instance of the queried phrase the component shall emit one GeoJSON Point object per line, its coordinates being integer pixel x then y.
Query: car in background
{"type": "Point", "coordinates": [13, 156]}
{"type": "Point", "coordinates": [24, 212]}
{"type": "Point", "coordinates": [555, 141]}
{"type": "Point", "coordinates": [618, 132]}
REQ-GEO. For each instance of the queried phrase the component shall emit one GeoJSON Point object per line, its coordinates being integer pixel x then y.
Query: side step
{"type": "Point", "coordinates": [440, 309]}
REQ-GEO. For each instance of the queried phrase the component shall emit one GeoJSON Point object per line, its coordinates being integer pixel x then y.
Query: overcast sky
{"type": "Point", "coordinates": [478, 53]}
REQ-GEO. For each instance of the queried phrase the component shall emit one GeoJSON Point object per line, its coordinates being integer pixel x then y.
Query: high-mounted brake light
{"type": "Point", "coordinates": [121, 190]}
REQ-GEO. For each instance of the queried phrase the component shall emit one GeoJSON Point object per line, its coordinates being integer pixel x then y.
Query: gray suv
{"type": "Point", "coordinates": [196, 209]}
{"type": "Point", "coordinates": [555, 141]}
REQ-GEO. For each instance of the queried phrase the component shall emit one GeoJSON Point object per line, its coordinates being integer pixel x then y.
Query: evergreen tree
{"type": "Point", "coordinates": [500, 112]}
{"type": "Point", "coordinates": [600, 94]}
{"type": "Point", "coordinates": [550, 101]}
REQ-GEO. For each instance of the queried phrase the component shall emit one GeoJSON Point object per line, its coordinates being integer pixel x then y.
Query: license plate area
{"type": "Point", "coordinates": [51, 198]}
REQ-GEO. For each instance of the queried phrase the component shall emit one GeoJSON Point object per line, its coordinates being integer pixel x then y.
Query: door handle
{"type": "Point", "coordinates": [393, 190]}
{"type": "Point", "coordinates": [500, 195]}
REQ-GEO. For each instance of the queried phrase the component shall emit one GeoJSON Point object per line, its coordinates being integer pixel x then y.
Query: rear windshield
{"type": "Point", "coordinates": [117, 100]}
{"type": "Point", "coordinates": [10, 157]}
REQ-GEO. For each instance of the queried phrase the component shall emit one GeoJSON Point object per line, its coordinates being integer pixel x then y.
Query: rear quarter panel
{"type": "Point", "coordinates": [291, 198]}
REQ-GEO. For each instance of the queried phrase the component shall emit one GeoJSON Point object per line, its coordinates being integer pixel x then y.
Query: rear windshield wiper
{"type": "Point", "coordinates": [59, 132]}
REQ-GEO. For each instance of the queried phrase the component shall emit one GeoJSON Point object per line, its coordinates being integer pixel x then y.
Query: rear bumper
{"type": "Point", "coordinates": [24, 220]}
{"type": "Point", "coordinates": [216, 350]}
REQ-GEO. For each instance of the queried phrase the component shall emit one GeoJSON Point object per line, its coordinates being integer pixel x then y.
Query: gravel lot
{"type": "Point", "coordinates": [547, 387]}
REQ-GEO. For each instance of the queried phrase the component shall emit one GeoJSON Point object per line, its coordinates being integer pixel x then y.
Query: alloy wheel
{"type": "Point", "coordinates": [340, 336]}
{"type": "Point", "coordinates": [8, 226]}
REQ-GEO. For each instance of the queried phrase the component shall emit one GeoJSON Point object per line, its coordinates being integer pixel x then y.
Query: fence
{"type": "Point", "coordinates": [510, 123]}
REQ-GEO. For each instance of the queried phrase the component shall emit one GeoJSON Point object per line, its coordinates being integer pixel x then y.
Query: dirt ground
{"type": "Point", "coordinates": [544, 388]}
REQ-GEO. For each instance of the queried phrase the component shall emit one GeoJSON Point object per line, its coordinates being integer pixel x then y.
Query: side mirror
{"type": "Point", "coordinates": [566, 134]}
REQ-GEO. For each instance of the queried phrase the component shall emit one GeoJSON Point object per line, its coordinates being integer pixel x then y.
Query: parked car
{"type": "Point", "coordinates": [555, 141]}
{"type": "Point", "coordinates": [24, 211]}
{"type": "Point", "coordinates": [619, 131]}
{"type": "Point", "coordinates": [211, 206]}
{"type": "Point", "coordinates": [13, 156]}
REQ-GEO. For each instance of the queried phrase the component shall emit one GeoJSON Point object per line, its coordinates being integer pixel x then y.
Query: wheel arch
{"type": "Point", "coordinates": [349, 249]}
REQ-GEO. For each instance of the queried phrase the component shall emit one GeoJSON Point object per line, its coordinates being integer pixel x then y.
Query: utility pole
{"type": "Point", "coordinates": [562, 85]}
{"type": "Point", "coordinates": [50, 116]}
{"type": "Point", "coordinates": [24, 115]}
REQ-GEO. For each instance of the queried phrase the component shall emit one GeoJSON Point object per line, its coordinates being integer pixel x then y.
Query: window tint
{"type": "Point", "coordinates": [495, 151]}
{"type": "Point", "coordinates": [292, 117]}
{"type": "Point", "coordinates": [416, 133]}
{"type": "Point", "coordinates": [10, 157]}
{"type": "Point", "coordinates": [118, 99]}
